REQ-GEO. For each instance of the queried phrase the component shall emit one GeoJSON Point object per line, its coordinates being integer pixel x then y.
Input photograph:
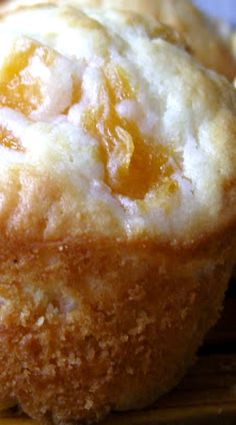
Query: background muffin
{"type": "Point", "coordinates": [233, 43]}
{"type": "Point", "coordinates": [117, 212]}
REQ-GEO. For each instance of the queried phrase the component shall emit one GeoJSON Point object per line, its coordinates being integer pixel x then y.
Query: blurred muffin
{"type": "Point", "coordinates": [117, 212]}
{"type": "Point", "coordinates": [208, 40]}
{"type": "Point", "coordinates": [233, 43]}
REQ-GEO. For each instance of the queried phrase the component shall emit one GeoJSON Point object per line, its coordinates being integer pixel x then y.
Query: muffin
{"type": "Point", "coordinates": [233, 43]}
{"type": "Point", "coordinates": [117, 212]}
{"type": "Point", "coordinates": [208, 40]}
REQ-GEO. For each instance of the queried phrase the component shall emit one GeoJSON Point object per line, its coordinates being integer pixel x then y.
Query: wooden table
{"type": "Point", "coordinates": [207, 395]}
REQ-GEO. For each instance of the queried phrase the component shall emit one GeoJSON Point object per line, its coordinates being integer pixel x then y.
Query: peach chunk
{"type": "Point", "coordinates": [19, 89]}
{"type": "Point", "coordinates": [134, 163]}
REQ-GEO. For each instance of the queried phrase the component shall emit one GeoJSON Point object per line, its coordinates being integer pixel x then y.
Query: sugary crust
{"type": "Point", "coordinates": [103, 325]}
{"type": "Point", "coordinates": [207, 42]}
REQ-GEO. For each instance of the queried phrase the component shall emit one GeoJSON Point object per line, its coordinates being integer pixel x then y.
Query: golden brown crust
{"type": "Point", "coordinates": [116, 324]}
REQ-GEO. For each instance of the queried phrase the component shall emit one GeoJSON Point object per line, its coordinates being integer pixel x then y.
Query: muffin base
{"type": "Point", "coordinates": [104, 324]}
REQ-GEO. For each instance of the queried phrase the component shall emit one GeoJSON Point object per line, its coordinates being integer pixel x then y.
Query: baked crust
{"type": "Point", "coordinates": [208, 40]}
{"type": "Point", "coordinates": [103, 325]}
{"type": "Point", "coordinates": [117, 212]}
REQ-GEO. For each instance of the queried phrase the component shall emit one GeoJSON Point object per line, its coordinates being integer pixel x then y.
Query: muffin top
{"type": "Point", "coordinates": [208, 40]}
{"type": "Point", "coordinates": [110, 128]}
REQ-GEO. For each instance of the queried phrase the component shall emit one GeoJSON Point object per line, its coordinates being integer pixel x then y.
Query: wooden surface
{"type": "Point", "coordinates": [207, 395]}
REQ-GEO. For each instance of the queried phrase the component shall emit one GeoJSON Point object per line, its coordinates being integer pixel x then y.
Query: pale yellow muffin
{"type": "Point", "coordinates": [207, 42]}
{"type": "Point", "coordinates": [117, 209]}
